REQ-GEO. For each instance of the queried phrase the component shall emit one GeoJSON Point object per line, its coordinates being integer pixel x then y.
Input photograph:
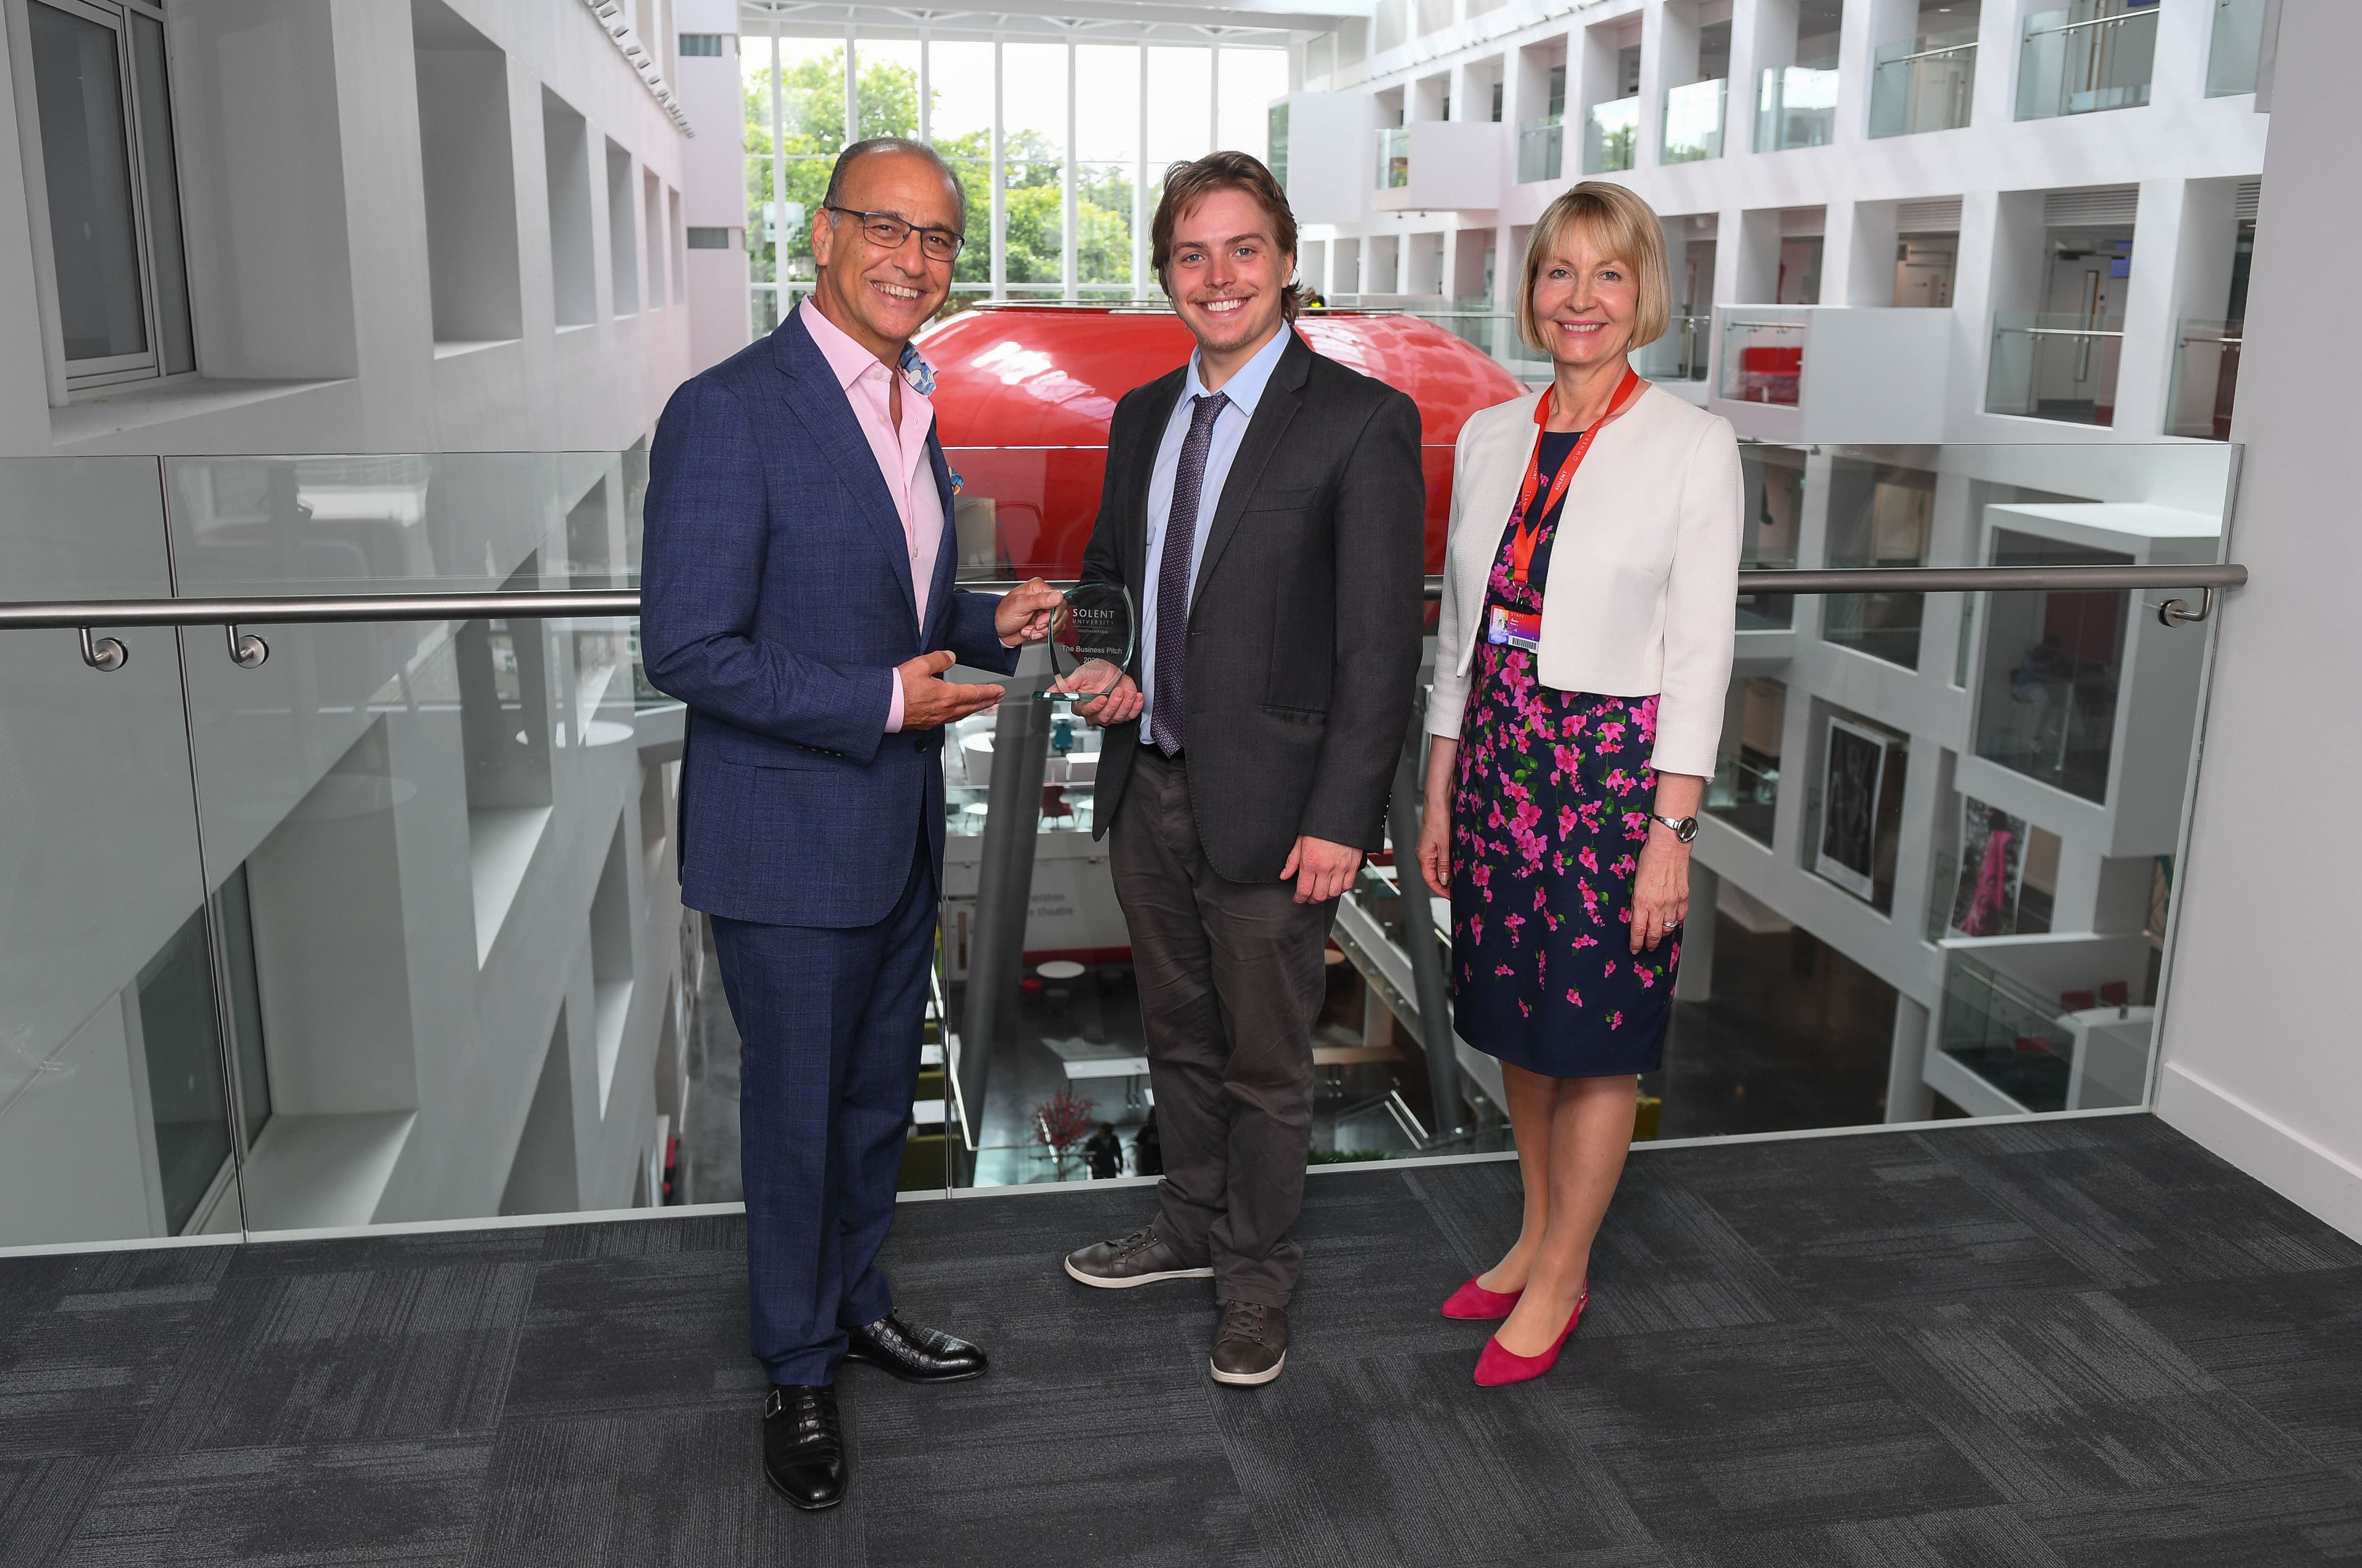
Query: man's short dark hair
{"type": "Point", "coordinates": [1186, 184]}
{"type": "Point", "coordinates": [893, 144]}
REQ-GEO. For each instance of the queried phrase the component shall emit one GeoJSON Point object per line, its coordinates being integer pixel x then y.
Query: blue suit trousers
{"type": "Point", "coordinates": [831, 1018]}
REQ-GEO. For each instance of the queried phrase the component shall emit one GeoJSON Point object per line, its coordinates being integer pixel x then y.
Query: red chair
{"type": "Point", "coordinates": [2077, 1002]}
{"type": "Point", "coordinates": [2116, 993]}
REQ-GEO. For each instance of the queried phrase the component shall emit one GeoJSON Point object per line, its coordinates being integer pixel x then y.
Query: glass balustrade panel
{"type": "Point", "coordinates": [1923, 84]}
{"type": "Point", "coordinates": [117, 1119]}
{"type": "Point", "coordinates": [1680, 355]}
{"type": "Point", "coordinates": [2235, 50]}
{"type": "Point", "coordinates": [1796, 106]}
{"type": "Point", "coordinates": [1763, 356]}
{"type": "Point", "coordinates": [2060, 367]}
{"type": "Point", "coordinates": [2205, 378]}
{"type": "Point", "coordinates": [2032, 932]}
{"type": "Point", "coordinates": [406, 944]}
{"type": "Point", "coordinates": [1540, 145]}
{"type": "Point", "coordinates": [2093, 56]}
{"type": "Point", "coordinates": [1611, 136]}
{"type": "Point", "coordinates": [1693, 121]}
{"type": "Point", "coordinates": [1393, 157]}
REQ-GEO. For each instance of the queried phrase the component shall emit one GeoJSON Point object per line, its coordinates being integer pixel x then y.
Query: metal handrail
{"type": "Point", "coordinates": [1928, 54]}
{"type": "Point", "coordinates": [2064, 331]}
{"type": "Point", "coordinates": [333, 607]}
{"type": "Point", "coordinates": [2149, 12]}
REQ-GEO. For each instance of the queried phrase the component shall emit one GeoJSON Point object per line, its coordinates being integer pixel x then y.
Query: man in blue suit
{"type": "Point", "coordinates": [797, 593]}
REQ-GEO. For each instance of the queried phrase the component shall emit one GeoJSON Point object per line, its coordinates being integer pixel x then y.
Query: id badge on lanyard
{"type": "Point", "coordinates": [1523, 628]}
{"type": "Point", "coordinates": [1514, 628]}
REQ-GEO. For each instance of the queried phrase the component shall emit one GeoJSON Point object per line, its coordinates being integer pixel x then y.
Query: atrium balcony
{"type": "Point", "coordinates": [1807, 373]}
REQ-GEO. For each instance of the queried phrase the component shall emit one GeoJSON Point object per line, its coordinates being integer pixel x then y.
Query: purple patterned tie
{"type": "Point", "coordinates": [1172, 569]}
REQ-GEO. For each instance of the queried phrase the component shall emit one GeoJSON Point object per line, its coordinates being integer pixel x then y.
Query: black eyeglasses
{"type": "Point", "coordinates": [888, 232]}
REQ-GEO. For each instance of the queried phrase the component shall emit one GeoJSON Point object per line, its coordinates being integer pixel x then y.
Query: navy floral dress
{"type": "Point", "coordinates": [1548, 817]}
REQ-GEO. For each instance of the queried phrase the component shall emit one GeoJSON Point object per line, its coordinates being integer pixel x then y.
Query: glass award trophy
{"type": "Point", "coordinates": [1094, 622]}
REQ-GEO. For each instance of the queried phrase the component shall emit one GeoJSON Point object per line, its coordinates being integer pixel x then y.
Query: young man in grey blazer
{"type": "Point", "coordinates": [1265, 507]}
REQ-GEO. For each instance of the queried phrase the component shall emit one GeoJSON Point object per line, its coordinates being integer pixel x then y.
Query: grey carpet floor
{"type": "Point", "coordinates": [2076, 1343]}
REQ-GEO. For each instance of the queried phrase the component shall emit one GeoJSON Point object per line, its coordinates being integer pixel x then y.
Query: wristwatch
{"type": "Point", "coordinates": [1684, 828]}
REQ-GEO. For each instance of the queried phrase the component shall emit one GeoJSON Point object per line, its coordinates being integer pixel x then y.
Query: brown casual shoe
{"type": "Point", "coordinates": [1250, 1345]}
{"type": "Point", "coordinates": [1141, 1258]}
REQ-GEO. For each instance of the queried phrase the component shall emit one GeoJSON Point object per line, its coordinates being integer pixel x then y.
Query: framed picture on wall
{"type": "Point", "coordinates": [1992, 870]}
{"type": "Point", "coordinates": [1853, 766]}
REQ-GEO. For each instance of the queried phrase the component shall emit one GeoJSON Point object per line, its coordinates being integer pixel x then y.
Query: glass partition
{"type": "Point", "coordinates": [1680, 354]}
{"type": "Point", "coordinates": [2235, 51]}
{"type": "Point", "coordinates": [387, 928]}
{"type": "Point", "coordinates": [1693, 117]}
{"type": "Point", "coordinates": [1393, 157]}
{"type": "Point", "coordinates": [1795, 106]}
{"type": "Point", "coordinates": [1540, 143]}
{"type": "Point", "coordinates": [2059, 367]}
{"type": "Point", "coordinates": [2090, 56]}
{"type": "Point", "coordinates": [1923, 84]}
{"type": "Point", "coordinates": [2205, 378]}
{"type": "Point", "coordinates": [1763, 355]}
{"type": "Point", "coordinates": [1611, 136]}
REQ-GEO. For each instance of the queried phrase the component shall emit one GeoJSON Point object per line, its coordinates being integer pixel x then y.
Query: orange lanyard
{"type": "Point", "coordinates": [1521, 548]}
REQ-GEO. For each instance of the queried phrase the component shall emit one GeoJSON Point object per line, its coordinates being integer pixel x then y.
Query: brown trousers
{"type": "Point", "coordinates": [1232, 979]}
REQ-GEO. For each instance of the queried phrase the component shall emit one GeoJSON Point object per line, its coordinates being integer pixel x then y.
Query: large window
{"type": "Point", "coordinates": [1083, 133]}
{"type": "Point", "coordinates": [106, 189]}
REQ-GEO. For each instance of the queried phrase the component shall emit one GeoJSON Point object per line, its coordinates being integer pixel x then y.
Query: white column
{"type": "Point", "coordinates": [1856, 46]}
{"type": "Point", "coordinates": [926, 90]}
{"type": "Point", "coordinates": [2147, 361]}
{"type": "Point", "coordinates": [852, 86]}
{"type": "Point", "coordinates": [2257, 1059]}
{"type": "Point", "coordinates": [1000, 205]}
{"type": "Point", "coordinates": [1140, 214]}
{"type": "Point", "coordinates": [1858, 254]}
{"type": "Point", "coordinates": [778, 184]}
{"type": "Point", "coordinates": [1998, 28]}
{"type": "Point", "coordinates": [1214, 97]}
{"type": "Point", "coordinates": [1908, 1098]}
{"type": "Point", "coordinates": [1660, 40]}
{"type": "Point", "coordinates": [1069, 252]}
{"type": "Point", "coordinates": [1695, 982]}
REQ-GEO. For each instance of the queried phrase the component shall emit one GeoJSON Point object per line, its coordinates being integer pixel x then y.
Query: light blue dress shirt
{"type": "Point", "coordinates": [1244, 389]}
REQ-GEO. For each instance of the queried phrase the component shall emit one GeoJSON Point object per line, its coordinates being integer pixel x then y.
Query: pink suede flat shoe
{"type": "Point", "coordinates": [1473, 1301]}
{"type": "Point", "coordinates": [1496, 1365]}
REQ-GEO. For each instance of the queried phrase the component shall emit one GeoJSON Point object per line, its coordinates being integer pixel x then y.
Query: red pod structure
{"type": "Point", "coordinates": [1023, 394]}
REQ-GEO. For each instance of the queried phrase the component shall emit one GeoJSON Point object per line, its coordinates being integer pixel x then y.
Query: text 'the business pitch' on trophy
{"type": "Point", "coordinates": [1094, 622]}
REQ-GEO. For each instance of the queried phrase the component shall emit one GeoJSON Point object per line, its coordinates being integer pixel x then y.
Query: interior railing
{"type": "Point", "coordinates": [353, 904]}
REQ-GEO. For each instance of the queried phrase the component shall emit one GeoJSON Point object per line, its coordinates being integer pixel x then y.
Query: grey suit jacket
{"type": "Point", "coordinates": [1305, 619]}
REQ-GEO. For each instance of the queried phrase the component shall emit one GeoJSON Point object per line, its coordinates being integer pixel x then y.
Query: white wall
{"type": "Point", "coordinates": [2260, 1061]}
{"type": "Point", "coordinates": [299, 137]}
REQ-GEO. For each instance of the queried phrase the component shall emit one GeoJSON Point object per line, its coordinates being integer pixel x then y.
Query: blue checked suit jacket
{"type": "Point", "coordinates": [775, 601]}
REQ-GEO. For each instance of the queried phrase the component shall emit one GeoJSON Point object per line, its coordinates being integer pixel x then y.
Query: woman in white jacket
{"type": "Point", "coordinates": [1589, 611]}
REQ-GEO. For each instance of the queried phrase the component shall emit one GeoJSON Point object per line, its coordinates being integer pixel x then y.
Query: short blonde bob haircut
{"type": "Point", "coordinates": [1618, 223]}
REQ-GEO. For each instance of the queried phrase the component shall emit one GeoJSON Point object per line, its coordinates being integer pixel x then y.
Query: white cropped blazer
{"type": "Point", "coordinates": [1642, 594]}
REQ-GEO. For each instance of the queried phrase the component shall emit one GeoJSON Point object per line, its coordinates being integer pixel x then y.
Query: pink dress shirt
{"type": "Point", "coordinates": [901, 455]}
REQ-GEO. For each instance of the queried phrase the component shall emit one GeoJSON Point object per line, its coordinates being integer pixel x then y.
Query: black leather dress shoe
{"type": "Point", "coordinates": [803, 1449]}
{"type": "Point", "coordinates": [913, 1354]}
